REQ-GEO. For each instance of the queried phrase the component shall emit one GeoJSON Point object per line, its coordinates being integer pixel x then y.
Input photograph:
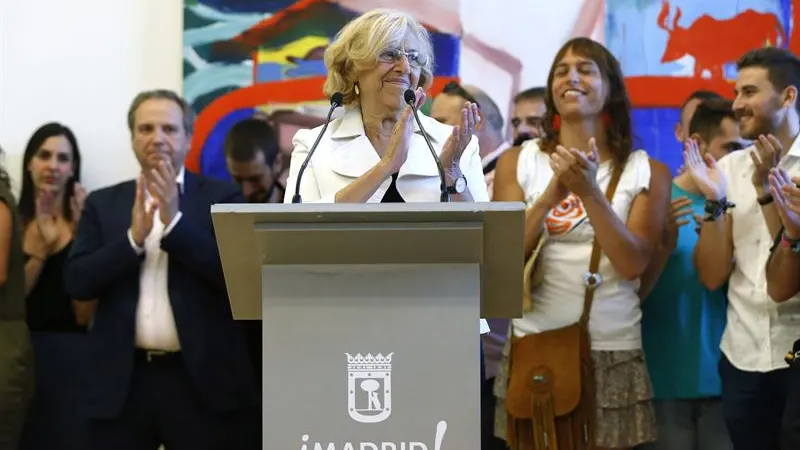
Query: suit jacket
{"type": "Point", "coordinates": [345, 153]}
{"type": "Point", "coordinates": [103, 265]}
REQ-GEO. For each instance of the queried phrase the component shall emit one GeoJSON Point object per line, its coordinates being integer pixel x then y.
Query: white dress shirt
{"type": "Point", "coordinates": [759, 331]}
{"type": "Point", "coordinates": [155, 322]}
{"type": "Point", "coordinates": [345, 153]}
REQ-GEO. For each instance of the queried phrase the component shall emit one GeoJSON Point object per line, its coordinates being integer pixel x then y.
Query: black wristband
{"type": "Point", "coordinates": [765, 200]}
{"type": "Point", "coordinates": [715, 208]}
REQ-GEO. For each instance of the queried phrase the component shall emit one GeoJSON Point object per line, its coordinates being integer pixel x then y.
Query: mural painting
{"type": "Point", "coordinates": [669, 49]}
{"type": "Point", "coordinates": [246, 57]}
{"type": "Point", "coordinates": [254, 57]}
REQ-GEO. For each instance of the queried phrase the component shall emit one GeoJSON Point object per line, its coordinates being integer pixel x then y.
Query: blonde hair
{"type": "Point", "coordinates": [356, 47]}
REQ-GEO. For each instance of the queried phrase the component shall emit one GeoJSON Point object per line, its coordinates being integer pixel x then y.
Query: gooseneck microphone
{"type": "Point", "coordinates": [336, 101]}
{"type": "Point", "coordinates": [411, 98]}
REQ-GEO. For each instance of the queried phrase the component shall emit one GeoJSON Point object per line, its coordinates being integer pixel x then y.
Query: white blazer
{"type": "Point", "coordinates": [345, 153]}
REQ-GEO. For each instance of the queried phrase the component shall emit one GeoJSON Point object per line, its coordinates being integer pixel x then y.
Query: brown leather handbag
{"type": "Point", "coordinates": [551, 401]}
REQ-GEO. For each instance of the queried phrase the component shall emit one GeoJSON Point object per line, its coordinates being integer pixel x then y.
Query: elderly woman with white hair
{"type": "Point", "coordinates": [375, 152]}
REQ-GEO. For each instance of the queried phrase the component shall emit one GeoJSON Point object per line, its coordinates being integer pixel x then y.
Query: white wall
{"type": "Point", "coordinates": [81, 62]}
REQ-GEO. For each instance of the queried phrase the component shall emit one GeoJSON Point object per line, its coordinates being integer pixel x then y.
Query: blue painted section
{"type": "Point", "coordinates": [212, 160]}
{"type": "Point", "coordinates": [786, 16]}
{"type": "Point", "coordinates": [303, 69]}
{"type": "Point", "coordinates": [270, 71]}
{"type": "Point", "coordinates": [654, 131]}
{"type": "Point", "coordinates": [447, 49]}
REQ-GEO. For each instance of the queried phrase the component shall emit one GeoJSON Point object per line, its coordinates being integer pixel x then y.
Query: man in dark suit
{"type": "Point", "coordinates": [169, 366]}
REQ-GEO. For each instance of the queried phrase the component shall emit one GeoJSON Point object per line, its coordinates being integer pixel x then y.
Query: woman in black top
{"type": "Point", "coordinates": [50, 205]}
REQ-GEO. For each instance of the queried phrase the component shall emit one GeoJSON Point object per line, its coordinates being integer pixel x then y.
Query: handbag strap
{"type": "Point", "coordinates": [592, 279]}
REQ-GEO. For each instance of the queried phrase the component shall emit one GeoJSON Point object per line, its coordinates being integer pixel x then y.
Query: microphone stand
{"type": "Point", "coordinates": [336, 101]}
{"type": "Point", "coordinates": [411, 99]}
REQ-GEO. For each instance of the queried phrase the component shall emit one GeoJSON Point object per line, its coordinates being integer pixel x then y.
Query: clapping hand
{"type": "Point", "coordinates": [766, 156]}
{"type": "Point", "coordinates": [460, 137]}
{"type": "Point", "coordinates": [576, 170]}
{"type": "Point", "coordinates": [142, 213]}
{"type": "Point", "coordinates": [704, 171]}
{"type": "Point", "coordinates": [164, 189]}
{"type": "Point", "coordinates": [397, 150]}
{"type": "Point", "coordinates": [786, 195]}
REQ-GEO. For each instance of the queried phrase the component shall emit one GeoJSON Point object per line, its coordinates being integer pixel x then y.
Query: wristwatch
{"type": "Point", "coordinates": [792, 244]}
{"type": "Point", "coordinates": [765, 200]}
{"type": "Point", "coordinates": [459, 186]}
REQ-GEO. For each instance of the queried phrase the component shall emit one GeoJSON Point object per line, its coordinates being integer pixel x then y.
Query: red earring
{"type": "Point", "coordinates": [556, 122]}
{"type": "Point", "coordinates": [606, 118]}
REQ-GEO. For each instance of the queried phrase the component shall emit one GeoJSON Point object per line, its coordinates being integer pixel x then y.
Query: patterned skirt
{"type": "Point", "coordinates": [625, 414]}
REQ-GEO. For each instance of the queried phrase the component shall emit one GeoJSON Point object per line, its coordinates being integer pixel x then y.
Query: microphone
{"type": "Point", "coordinates": [411, 98]}
{"type": "Point", "coordinates": [336, 101]}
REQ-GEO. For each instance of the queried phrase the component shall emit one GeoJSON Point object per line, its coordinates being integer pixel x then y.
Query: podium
{"type": "Point", "coordinates": [370, 316]}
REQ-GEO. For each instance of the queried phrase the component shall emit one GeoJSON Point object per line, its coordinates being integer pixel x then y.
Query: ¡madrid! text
{"type": "Point", "coordinates": [441, 428]}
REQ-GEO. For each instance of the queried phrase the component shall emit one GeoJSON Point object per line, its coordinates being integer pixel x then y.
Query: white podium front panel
{"type": "Point", "coordinates": [371, 357]}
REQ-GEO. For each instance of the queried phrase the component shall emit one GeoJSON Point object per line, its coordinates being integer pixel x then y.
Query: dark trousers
{"type": "Point", "coordinates": [790, 432]}
{"type": "Point", "coordinates": [753, 404]}
{"type": "Point", "coordinates": [164, 407]}
{"type": "Point", "coordinates": [252, 331]}
{"type": "Point", "coordinates": [57, 419]}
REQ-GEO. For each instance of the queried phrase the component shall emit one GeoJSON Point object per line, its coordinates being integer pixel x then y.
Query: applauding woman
{"type": "Point", "coordinates": [50, 204]}
{"type": "Point", "coordinates": [597, 207]}
{"type": "Point", "coordinates": [16, 355]}
{"type": "Point", "coordinates": [376, 152]}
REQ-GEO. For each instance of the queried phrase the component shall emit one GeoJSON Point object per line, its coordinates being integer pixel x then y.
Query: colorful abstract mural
{"type": "Point", "coordinates": [264, 57]}
{"type": "Point", "coordinates": [249, 57]}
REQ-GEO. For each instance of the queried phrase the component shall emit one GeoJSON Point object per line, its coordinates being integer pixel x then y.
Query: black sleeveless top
{"type": "Point", "coordinates": [392, 195]}
{"type": "Point", "coordinates": [49, 307]}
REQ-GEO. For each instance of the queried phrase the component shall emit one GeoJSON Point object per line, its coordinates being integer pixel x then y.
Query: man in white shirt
{"type": "Point", "coordinates": [783, 283]}
{"type": "Point", "coordinates": [733, 248]}
{"type": "Point", "coordinates": [168, 365]}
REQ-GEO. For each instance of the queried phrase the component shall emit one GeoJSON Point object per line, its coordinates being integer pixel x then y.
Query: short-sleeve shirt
{"type": "Point", "coordinates": [759, 331]}
{"type": "Point", "coordinates": [615, 319]}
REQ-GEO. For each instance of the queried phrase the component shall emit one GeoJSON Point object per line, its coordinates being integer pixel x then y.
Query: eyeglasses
{"type": "Point", "coordinates": [454, 88]}
{"type": "Point", "coordinates": [415, 58]}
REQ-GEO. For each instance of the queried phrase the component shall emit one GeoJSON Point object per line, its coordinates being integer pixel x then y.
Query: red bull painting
{"type": "Point", "coordinates": [668, 49]}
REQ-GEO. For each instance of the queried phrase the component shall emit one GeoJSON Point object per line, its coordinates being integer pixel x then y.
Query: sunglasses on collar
{"type": "Point", "coordinates": [453, 88]}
